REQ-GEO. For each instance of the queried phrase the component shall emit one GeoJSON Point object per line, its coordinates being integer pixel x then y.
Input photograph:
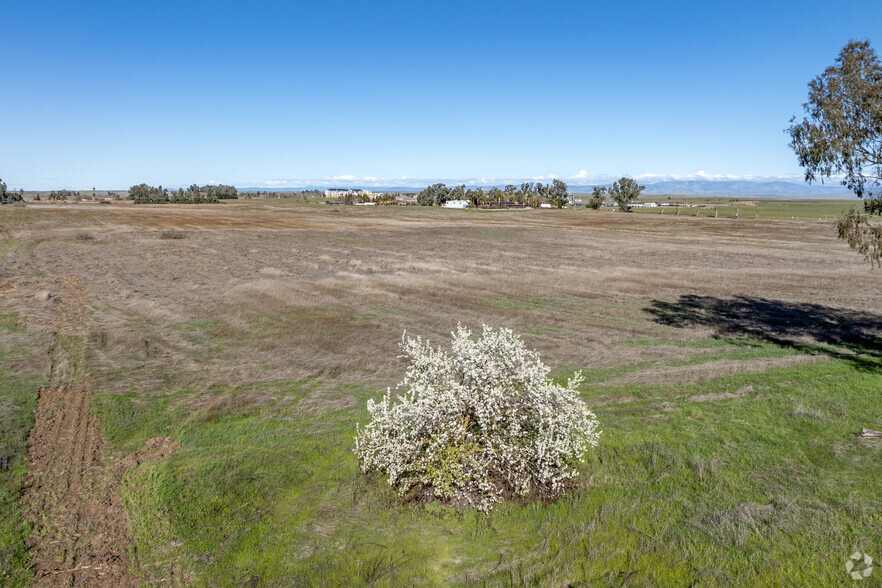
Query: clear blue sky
{"type": "Point", "coordinates": [110, 94]}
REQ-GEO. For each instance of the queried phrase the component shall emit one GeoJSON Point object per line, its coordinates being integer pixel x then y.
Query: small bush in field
{"type": "Point", "coordinates": [478, 424]}
{"type": "Point", "coordinates": [171, 234]}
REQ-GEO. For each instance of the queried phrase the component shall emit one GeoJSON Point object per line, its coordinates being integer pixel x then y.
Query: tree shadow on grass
{"type": "Point", "coordinates": [808, 328]}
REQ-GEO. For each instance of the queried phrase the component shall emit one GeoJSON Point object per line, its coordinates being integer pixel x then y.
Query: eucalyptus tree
{"type": "Point", "coordinates": [557, 193]}
{"type": "Point", "coordinates": [624, 192]}
{"type": "Point", "coordinates": [841, 135]}
{"type": "Point", "coordinates": [597, 195]}
{"type": "Point", "coordinates": [434, 195]}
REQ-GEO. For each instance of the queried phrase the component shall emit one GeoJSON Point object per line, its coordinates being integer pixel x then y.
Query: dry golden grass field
{"type": "Point", "coordinates": [731, 364]}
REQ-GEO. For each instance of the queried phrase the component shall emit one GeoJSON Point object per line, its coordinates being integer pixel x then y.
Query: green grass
{"type": "Point", "coordinates": [740, 349]}
{"type": "Point", "coordinates": [772, 488]}
{"type": "Point", "coordinates": [136, 418]}
{"type": "Point", "coordinates": [9, 322]}
{"type": "Point", "coordinates": [7, 244]}
{"type": "Point", "coordinates": [816, 210]}
{"type": "Point", "coordinates": [18, 398]}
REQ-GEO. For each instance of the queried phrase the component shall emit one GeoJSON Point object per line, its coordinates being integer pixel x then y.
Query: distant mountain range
{"type": "Point", "coordinates": [741, 188]}
{"type": "Point", "coordinates": [691, 187]}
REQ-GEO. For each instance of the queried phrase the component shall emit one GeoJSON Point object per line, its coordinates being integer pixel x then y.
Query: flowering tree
{"type": "Point", "coordinates": [478, 424]}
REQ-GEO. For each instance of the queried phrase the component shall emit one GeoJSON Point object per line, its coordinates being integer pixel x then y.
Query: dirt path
{"type": "Point", "coordinates": [80, 529]}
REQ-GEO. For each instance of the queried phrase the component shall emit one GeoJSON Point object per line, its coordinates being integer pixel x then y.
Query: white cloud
{"type": "Point", "coordinates": [346, 177]}
{"type": "Point", "coordinates": [582, 174]}
{"type": "Point", "coordinates": [705, 176]}
{"type": "Point", "coordinates": [702, 175]}
{"type": "Point", "coordinates": [274, 182]}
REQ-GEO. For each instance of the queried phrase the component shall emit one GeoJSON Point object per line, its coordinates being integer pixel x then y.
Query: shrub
{"type": "Point", "coordinates": [171, 234]}
{"type": "Point", "coordinates": [84, 236]}
{"type": "Point", "coordinates": [477, 425]}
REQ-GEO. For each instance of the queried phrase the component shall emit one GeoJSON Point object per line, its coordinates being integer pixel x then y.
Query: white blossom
{"type": "Point", "coordinates": [477, 424]}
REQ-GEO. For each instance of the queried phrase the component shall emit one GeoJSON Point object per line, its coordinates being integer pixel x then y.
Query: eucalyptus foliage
{"type": "Point", "coordinates": [6, 197]}
{"type": "Point", "coordinates": [597, 195]}
{"type": "Point", "coordinates": [624, 192]}
{"type": "Point", "coordinates": [841, 136]}
{"type": "Point", "coordinates": [478, 424]}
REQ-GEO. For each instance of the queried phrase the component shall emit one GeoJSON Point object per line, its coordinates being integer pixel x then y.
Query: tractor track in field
{"type": "Point", "coordinates": [80, 530]}
{"type": "Point", "coordinates": [80, 534]}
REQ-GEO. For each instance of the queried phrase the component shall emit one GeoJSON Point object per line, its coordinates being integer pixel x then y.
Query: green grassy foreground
{"type": "Point", "coordinates": [18, 398]}
{"type": "Point", "coordinates": [769, 487]}
{"type": "Point", "coordinates": [701, 477]}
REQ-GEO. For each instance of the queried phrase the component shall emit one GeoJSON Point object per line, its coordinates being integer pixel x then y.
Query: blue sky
{"type": "Point", "coordinates": [110, 94]}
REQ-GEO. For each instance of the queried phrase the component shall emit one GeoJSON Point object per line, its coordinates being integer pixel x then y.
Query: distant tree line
{"type": "Point", "coordinates": [285, 194]}
{"type": "Point", "coordinates": [62, 195]}
{"type": "Point", "coordinates": [144, 194]}
{"type": "Point", "coordinates": [7, 197]}
{"type": "Point", "coordinates": [384, 198]}
{"type": "Point", "coordinates": [258, 194]}
{"type": "Point", "coordinates": [531, 193]}
{"type": "Point", "coordinates": [623, 192]}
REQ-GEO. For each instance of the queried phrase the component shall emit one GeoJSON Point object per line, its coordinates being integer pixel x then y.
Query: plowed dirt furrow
{"type": "Point", "coordinates": [80, 529]}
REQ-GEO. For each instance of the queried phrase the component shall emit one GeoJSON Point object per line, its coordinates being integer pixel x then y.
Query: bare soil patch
{"type": "Point", "coordinates": [80, 533]}
{"type": "Point", "coordinates": [80, 528]}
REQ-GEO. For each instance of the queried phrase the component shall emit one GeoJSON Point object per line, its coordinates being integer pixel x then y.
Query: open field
{"type": "Point", "coordinates": [756, 208]}
{"type": "Point", "coordinates": [731, 364]}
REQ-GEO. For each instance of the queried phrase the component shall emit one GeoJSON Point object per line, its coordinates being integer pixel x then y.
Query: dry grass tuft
{"type": "Point", "coordinates": [235, 402]}
{"type": "Point", "coordinates": [735, 524]}
{"type": "Point", "coordinates": [710, 370]}
{"type": "Point", "coordinates": [801, 411]}
{"type": "Point", "coordinates": [712, 396]}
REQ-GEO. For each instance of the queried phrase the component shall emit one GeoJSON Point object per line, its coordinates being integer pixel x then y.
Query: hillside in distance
{"type": "Point", "coordinates": [740, 188]}
{"type": "Point", "coordinates": [757, 188]}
